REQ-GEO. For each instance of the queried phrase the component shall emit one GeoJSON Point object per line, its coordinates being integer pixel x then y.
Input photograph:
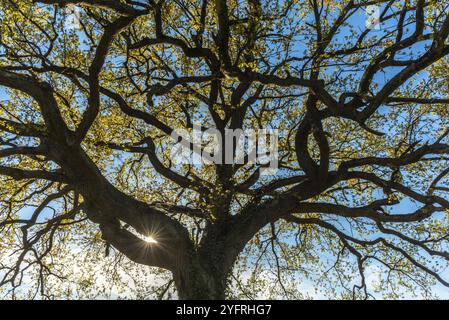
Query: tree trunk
{"type": "Point", "coordinates": [196, 282]}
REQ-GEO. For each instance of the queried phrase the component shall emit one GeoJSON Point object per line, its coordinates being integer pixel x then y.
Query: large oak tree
{"type": "Point", "coordinates": [92, 90]}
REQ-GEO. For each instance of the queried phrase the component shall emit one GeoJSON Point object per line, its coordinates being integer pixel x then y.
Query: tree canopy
{"type": "Point", "coordinates": [91, 92]}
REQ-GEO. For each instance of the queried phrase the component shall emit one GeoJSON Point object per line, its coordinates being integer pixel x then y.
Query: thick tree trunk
{"type": "Point", "coordinates": [195, 282]}
{"type": "Point", "coordinates": [203, 274]}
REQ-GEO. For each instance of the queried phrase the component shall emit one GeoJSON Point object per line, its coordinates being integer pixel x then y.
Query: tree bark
{"type": "Point", "coordinates": [196, 282]}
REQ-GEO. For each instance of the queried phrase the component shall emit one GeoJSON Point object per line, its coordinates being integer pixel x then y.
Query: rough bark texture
{"type": "Point", "coordinates": [197, 281]}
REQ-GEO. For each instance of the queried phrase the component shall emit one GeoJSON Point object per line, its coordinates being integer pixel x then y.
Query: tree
{"type": "Point", "coordinates": [93, 89]}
